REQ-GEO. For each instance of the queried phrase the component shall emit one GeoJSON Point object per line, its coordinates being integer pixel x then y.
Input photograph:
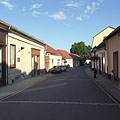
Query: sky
{"type": "Point", "coordinates": [61, 23]}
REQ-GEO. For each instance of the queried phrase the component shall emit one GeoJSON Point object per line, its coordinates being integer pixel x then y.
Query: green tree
{"type": "Point", "coordinates": [81, 49]}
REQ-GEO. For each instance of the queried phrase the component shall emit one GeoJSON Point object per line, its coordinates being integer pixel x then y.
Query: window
{"type": "Point", "coordinates": [12, 56]}
{"type": "Point", "coordinates": [52, 60]}
{"type": "Point", "coordinates": [58, 62]}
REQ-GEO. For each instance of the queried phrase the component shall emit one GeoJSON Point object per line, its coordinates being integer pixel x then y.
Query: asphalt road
{"type": "Point", "coordinates": [71, 95]}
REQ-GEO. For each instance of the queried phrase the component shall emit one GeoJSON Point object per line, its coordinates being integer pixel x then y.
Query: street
{"type": "Point", "coordinates": [71, 95]}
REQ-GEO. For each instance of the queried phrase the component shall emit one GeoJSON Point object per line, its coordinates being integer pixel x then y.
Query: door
{"type": "Point", "coordinates": [33, 66]}
{"type": "Point", "coordinates": [47, 63]}
{"type": "Point", "coordinates": [35, 61]}
{"type": "Point", "coordinates": [23, 61]}
{"type": "Point", "coordinates": [38, 64]}
{"type": "Point", "coordinates": [99, 65]}
{"type": "Point", "coordinates": [1, 66]}
{"type": "Point", "coordinates": [115, 64]}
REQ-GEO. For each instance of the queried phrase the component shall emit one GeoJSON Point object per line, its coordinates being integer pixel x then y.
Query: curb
{"type": "Point", "coordinates": [4, 97]}
{"type": "Point", "coordinates": [105, 90]}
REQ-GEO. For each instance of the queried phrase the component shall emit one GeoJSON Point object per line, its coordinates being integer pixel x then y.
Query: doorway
{"type": "Point", "coordinates": [47, 63]}
{"type": "Point", "coordinates": [115, 65]}
{"type": "Point", "coordinates": [2, 66]}
{"type": "Point", "coordinates": [35, 62]}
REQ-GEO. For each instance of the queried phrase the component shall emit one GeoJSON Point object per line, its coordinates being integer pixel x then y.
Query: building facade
{"type": "Point", "coordinates": [99, 54]}
{"type": "Point", "coordinates": [3, 65]}
{"type": "Point", "coordinates": [22, 54]}
{"type": "Point", "coordinates": [113, 53]}
{"type": "Point", "coordinates": [53, 58]}
{"type": "Point", "coordinates": [76, 59]}
{"type": "Point", "coordinates": [101, 58]}
{"type": "Point", "coordinates": [66, 58]}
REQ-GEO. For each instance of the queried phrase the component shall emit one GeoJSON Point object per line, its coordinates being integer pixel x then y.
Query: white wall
{"type": "Point", "coordinates": [55, 58]}
{"type": "Point", "coordinates": [70, 62]}
{"type": "Point", "coordinates": [25, 55]}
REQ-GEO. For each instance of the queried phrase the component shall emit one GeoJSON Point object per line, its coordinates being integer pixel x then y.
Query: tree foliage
{"type": "Point", "coordinates": [81, 49]}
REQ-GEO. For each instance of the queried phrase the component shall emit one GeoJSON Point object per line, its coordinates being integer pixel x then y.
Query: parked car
{"type": "Point", "coordinates": [67, 66]}
{"type": "Point", "coordinates": [63, 68]}
{"type": "Point", "coordinates": [56, 69]}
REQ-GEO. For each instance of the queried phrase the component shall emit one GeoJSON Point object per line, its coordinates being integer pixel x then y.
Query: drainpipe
{"type": "Point", "coordinates": [7, 54]}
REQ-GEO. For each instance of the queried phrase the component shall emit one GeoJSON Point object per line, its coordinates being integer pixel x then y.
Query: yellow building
{"type": "Point", "coordinates": [97, 39]}
{"type": "Point", "coordinates": [99, 54]}
{"type": "Point", "coordinates": [24, 54]}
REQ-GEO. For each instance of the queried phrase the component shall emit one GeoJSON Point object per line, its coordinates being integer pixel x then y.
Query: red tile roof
{"type": "Point", "coordinates": [65, 54]}
{"type": "Point", "coordinates": [74, 54]}
{"type": "Point", "coordinates": [50, 49]}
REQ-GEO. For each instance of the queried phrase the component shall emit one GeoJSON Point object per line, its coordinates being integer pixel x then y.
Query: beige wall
{"type": "Point", "coordinates": [70, 62]}
{"type": "Point", "coordinates": [102, 53]}
{"type": "Point", "coordinates": [113, 45]}
{"type": "Point", "coordinates": [55, 58]}
{"type": "Point", "coordinates": [25, 55]}
{"type": "Point", "coordinates": [100, 36]}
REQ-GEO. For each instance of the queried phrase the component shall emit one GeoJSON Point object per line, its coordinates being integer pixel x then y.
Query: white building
{"type": "Point", "coordinates": [53, 58]}
{"type": "Point", "coordinates": [66, 58]}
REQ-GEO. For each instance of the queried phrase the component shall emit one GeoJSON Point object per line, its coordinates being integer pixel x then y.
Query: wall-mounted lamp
{"type": "Point", "coordinates": [20, 49]}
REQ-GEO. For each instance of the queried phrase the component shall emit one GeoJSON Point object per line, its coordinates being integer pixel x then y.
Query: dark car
{"type": "Point", "coordinates": [56, 69]}
{"type": "Point", "coordinates": [63, 68]}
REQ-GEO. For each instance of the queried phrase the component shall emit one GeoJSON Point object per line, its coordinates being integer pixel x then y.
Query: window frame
{"type": "Point", "coordinates": [11, 66]}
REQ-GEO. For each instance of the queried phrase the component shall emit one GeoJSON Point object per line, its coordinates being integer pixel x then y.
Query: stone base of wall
{"type": "Point", "coordinates": [15, 76]}
{"type": "Point", "coordinates": [42, 71]}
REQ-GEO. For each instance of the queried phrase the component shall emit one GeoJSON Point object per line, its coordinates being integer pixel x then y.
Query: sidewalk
{"type": "Point", "coordinates": [108, 85]}
{"type": "Point", "coordinates": [21, 85]}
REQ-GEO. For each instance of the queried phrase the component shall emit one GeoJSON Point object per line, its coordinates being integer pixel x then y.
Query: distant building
{"type": "Point", "coordinates": [53, 58]}
{"type": "Point", "coordinates": [66, 58]}
{"type": "Point", "coordinates": [76, 59]}
{"type": "Point", "coordinates": [87, 61]}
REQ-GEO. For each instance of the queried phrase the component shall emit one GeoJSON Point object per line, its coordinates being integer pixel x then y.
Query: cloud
{"type": "Point", "coordinates": [89, 9]}
{"type": "Point", "coordinates": [37, 5]}
{"type": "Point", "coordinates": [80, 18]}
{"type": "Point", "coordinates": [75, 4]}
{"type": "Point", "coordinates": [95, 4]}
{"type": "Point", "coordinates": [92, 8]}
{"type": "Point", "coordinates": [36, 13]}
{"type": "Point", "coordinates": [8, 5]}
{"type": "Point", "coordinates": [23, 10]}
{"type": "Point", "coordinates": [58, 16]}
